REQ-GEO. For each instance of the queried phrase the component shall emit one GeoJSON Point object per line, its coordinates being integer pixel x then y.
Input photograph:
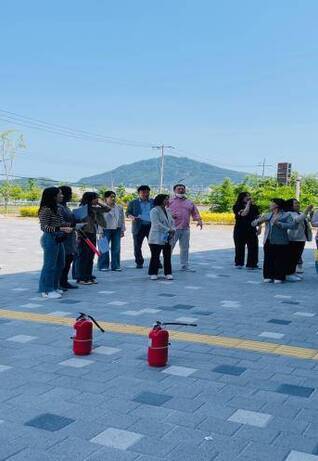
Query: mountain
{"type": "Point", "coordinates": [176, 169]}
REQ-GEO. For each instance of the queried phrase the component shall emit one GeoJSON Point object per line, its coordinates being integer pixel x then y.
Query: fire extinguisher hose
{"type": "Point", "coordinates": [83, 316]}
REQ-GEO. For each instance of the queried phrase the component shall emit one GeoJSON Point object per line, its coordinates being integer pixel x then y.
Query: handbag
{"type": "Point", "coordinates": [103, 245]}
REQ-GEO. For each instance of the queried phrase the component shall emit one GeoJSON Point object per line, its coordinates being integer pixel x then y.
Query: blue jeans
{"type": "Point", "coordinates": [113, 236]}
{"type": "Point", "coordinates": [53, 263]}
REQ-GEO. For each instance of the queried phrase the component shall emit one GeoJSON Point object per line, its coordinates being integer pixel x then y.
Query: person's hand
{"type": "Point", "coordinates": [67, 230]}
{"type": "Point", "coordinates": [200, 224]}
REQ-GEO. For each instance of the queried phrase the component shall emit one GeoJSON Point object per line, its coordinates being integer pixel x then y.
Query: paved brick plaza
{"type": "Point", "coordinates": [210, 403]}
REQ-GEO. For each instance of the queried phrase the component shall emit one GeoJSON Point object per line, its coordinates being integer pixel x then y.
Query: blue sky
{"type": "Point", "coordinates": [226, 82]}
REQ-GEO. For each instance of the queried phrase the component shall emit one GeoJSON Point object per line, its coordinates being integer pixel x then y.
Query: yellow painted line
{"type": "Point", "coordinates": [219, 341]}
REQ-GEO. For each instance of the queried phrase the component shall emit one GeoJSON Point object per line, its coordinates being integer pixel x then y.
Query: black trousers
{"type": "Point", "coordinates": [155, 259]}
{"type": "Point", "coordinates": [64, 277]}
{"type": "Point", "coordinates": [85, 260]}
{"type": "Point", "coordinates": [138, 241]}
{"type": "Point", "coordinates": [295, 251]}
{"type": "Point", "coordinates": [241, 240]}
{"type": "Point", "coordinates": [275, 261]}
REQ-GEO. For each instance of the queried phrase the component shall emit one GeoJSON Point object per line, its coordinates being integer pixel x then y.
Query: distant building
{"type": "Point", "coordinates": [284, 172]}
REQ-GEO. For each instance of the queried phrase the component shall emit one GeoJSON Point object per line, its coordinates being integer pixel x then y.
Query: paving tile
{"type": "Point", "coordinates": [21, 289]}
{"type": "Point", "coordinates": [251, 418]}
{"type": "Point", "coordinates": [69, 301]}
{"type": "Point", "coordinates": [59, 313]}
{"type": "Point", "coordinates": [117, 438]}
{"type": "Point", "coordinates": [229, 370]}
{"type": "Point", "coordinates": [167, 295]}
{"type": "Point", "coordinates": [192, 287]}
{"type": "Point", "coordinates": [151, 398]}
{"type": "Point", "coordinates": [279, 321]}
{"type": "Point", "coordinates": [271, 335]}
{"type": "Point", "coordinates": [297, 391]}
{"type": "Point", "coordinates": [30, 305]}
{"type": "Point", "coordinates": [282, 296]}
{"type": "Point", "coordinates": [182, 306]}
{"type": "Point", "coordinates": [301, 456]}
{"type": "Point", "coordinates": [105, 292]}
{"type": "Point", "coordinates": [21, 339]}
{"type": "Point", "coordinates": [187, 319]}
{"type": "Point", "coordinates": [117, 303]}
{"type": "Point", "coordinates": [304, 314]}
{"type": "Point", "coordinates": [132, 313]}
{"type": "Point", "coordinates": [105, 350]}
{"type": "Point", "coordinates": [179, 371]}
{"type": "Point", "coordinates": [49, 422]}
{"type": "Point", "coordinates": [76, 363]}
{"type": "Point", "coordinates": [4, 368]}
{"type": "Point", "coordinates": [149, 310]}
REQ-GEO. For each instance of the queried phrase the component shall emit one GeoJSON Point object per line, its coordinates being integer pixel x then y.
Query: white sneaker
{"type": "Point", "coordinates": [169, 277]}
{"type": "Point", "coordinates": [44, 295]}
{"type": "Point", "coordinates": [59, 291]}
{"type": "Point", "coordinates": [299, 269]}
{"type": "Point", "coordinates": [293, 278]}
{"type": "Point", "coordinates": [54, 295]}
{"type": "Point", "coordinates": [154, 277]}
{"type": "Point", "coordinates": [268, 280]}
{"type": "Point", "coordinates": [278, 281]}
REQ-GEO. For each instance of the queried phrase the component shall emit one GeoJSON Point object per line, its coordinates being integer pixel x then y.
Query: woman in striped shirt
{"type": "Point", "coordinates": [54, 231]}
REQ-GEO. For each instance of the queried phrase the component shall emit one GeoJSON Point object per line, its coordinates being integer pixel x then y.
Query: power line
{"type": "Point", "coordinates": [62, 130]}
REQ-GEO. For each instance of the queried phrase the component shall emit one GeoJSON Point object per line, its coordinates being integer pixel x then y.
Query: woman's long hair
{"type": "Point", "coordinates": [67, 194]}
{"type": "Point", "coordinates": [49, 199]}
{"type": "Point", "coordinates": [87, 199]}
{"type": "Point", "coordinates": [281, 203]}
{"type": "Point", "coordinates": [241, 196]}
{"type": "Point", "coordinates": [159, 199]}
{"type": "Point", "coordinates": [289, 204]}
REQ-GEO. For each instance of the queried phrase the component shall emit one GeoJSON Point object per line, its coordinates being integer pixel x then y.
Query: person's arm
{"type": "Point", "coordinates": [261, 220]}
{"type": "Point", "coordinates": [288, 223]}
{"type": "Point", "coordinates": [196, 215]}
{"type": "Point", "coordinates": [245, 210]}
{"type": "Point", "coordinates": [314, 219]}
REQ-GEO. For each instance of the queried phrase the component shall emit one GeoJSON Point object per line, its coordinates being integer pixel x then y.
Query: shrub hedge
{"type": "Point", "coordinates": [29, 211]}
{"type": "Point", "coordinates": [217, 218]}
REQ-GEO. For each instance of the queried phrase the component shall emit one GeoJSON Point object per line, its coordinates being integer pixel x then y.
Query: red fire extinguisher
{"type": "Point", "coordinates": [83, 339]}
{"type": "Point", "coordinates": [158, 349]}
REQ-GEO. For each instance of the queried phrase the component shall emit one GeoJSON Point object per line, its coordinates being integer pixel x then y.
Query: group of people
{"type": "Point", "coordinates": [69, 241]}
{"type": "Point", "coordinates": [287, 230]}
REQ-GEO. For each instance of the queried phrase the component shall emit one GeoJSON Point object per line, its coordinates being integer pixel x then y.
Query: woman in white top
{"type": "Point", "coordinates": [113, 233]}
{"type": "Point", "coordinates": [160, 237]}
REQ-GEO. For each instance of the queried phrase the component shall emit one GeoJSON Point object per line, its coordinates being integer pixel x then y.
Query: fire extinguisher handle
{"type": "Point", "coordinates": [96, 323]}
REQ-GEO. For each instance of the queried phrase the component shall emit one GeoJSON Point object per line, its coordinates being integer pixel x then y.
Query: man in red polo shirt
{"type": "Point", "coordinates": [182, 211]}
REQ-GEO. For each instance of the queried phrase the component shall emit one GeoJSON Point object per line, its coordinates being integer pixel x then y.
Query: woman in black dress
{"type": "Point", "coordinates": [244, 234]}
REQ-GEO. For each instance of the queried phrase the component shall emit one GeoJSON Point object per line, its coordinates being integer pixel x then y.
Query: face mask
{"type": "Point", "coordinates": [180, 195]}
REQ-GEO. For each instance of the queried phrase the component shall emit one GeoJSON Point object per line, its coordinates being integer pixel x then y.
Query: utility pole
{"type": "Point", "coordinates": [162, 149]}
{"type": "Point", "coordinates": [298, 187]}
{"type": "Point", "coordinates": [263, 168]}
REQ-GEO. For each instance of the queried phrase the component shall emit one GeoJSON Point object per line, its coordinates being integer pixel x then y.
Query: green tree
{"type": "Point", "coordinates": [222, 196]}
